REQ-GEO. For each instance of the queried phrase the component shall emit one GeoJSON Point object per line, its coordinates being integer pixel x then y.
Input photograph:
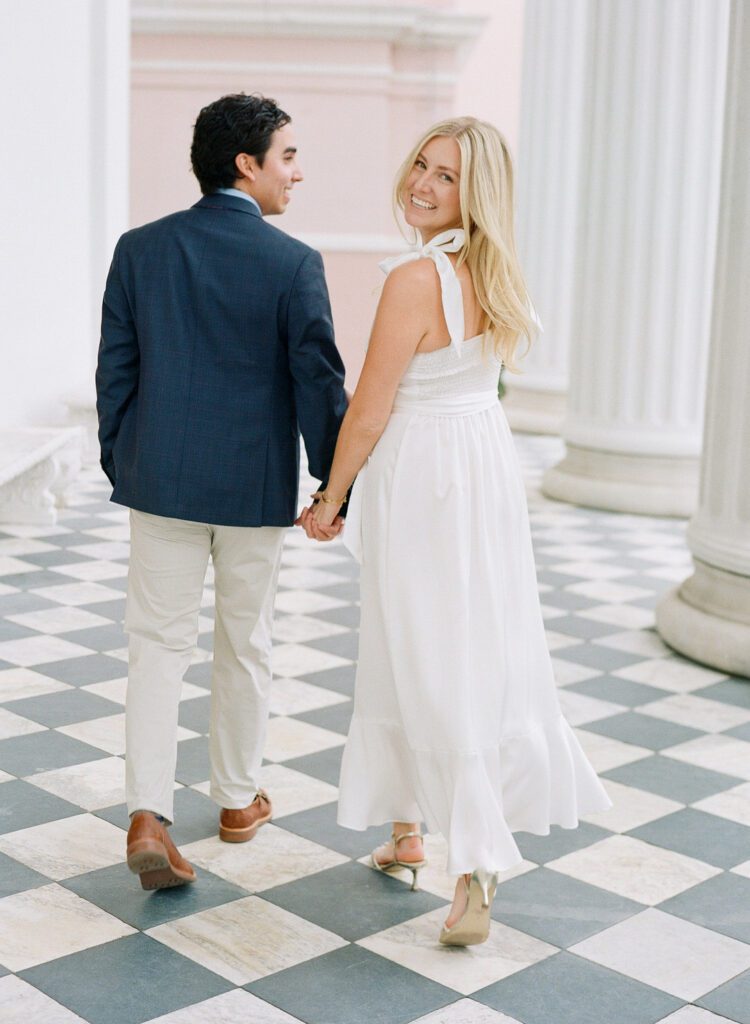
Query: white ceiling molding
{"type": "Point", "coordinates": [403, 25]}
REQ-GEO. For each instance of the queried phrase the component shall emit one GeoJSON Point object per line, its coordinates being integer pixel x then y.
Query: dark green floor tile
{"type": "Point", "coordinates": [64, 707]}
{"type": "Point", "coordinates": [620, 691]}
{"type": "Point", "coordinates": [566, 989]}
{"type": "Point", "coordinates": [100, 638]}
{"type": "Point", "coordinates": [16, 877]}
{"type": "Point", "coordinates": [44, 751]}
{"type": "Point", "coordinates": [344, 645]}
{"type": "Point", "coordinates": [352, 986]}
{"type": "Point", "coordinates": [118, 891]}
{"type": "Point", "coordinates": [352, 900]}
{"type": "Point", "coordinates": [336, 717]}
{"type": "Point", "coordinates": [728, 691]}
{"type": "Point", "coordinates": [695, 833]}
{"type": "Point", "coordinates": [92, 668]}
{"type": "Point", "coordinates": [195, 714]}
{"type": "Point", "coordinates": [643, 730]}
{"type": "Point", "coordinates": [721, 903]}
{"type": "Point", "coordinates": [127, 981]}
{"type": "Point", "coordinates": [193, 762]}
{"type": "Point", "coordinates": [324, 765]}
{"type": "Point", "coordinates": [23, 805]}
{"type": "Point", "coordinates": [340, 679]}
{"type": "Point", "coordinates": [541, 849]}
{"type": "Point", "coordinates": [319, 825]}
{"type": "Point", "coordinates": [558, 909]}
{"type": "Point", "coordinates": [671, 778]}
{"type": "Point", "coordinates": [731, 1000]}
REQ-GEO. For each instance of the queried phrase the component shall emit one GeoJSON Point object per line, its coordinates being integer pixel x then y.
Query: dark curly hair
{"type": "Point", "coordinates": [231, 125]}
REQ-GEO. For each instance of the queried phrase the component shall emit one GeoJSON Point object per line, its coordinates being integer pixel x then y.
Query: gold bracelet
{"type": "Point", "coordinates": [332, 501]}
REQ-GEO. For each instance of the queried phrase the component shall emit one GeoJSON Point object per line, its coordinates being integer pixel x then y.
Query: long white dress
{"type": "Point", "coordinates": [456, 720]}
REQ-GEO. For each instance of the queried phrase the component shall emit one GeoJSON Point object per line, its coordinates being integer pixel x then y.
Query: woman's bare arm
{"type": "Point", "coordinates": [401, 322]}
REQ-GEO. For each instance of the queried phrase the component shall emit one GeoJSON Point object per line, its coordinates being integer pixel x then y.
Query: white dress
{"type": "Point", "coordinates": [456, 718]}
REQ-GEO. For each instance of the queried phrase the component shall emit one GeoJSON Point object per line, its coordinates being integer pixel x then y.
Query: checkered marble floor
{"type": "Point", "coordinates": [642, 914]}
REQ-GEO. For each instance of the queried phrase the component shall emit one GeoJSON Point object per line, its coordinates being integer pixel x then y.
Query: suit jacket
{"type": "Point", "coordinates": [216, 350]}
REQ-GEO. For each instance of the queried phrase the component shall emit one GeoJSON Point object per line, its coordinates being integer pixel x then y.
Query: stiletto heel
{"type": "Point", "coordinates": [415, 866]}
{"type": "Point", "coordinates": [474, 924]}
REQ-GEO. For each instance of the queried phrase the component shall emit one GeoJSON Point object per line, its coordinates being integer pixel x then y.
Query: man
{"type": "Point", "coordinates": [217, 349]}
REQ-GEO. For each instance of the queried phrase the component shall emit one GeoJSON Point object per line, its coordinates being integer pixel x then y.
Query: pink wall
{"type": "Point", "coordinates": [357, 104]}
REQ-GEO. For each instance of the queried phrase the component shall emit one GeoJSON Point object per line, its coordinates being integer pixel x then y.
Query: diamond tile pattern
{"type": "Point", "coordinates": [639, 915]}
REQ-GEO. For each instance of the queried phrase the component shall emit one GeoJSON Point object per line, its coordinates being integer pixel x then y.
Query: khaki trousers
{"type": "Point", "coordinates": [168, 561]}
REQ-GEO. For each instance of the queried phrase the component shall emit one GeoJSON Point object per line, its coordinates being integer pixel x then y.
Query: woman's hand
{"type": "Point", "coordinates": [321, 520]}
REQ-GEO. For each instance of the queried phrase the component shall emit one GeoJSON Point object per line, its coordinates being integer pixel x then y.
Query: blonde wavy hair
{"type": "Point", "coordinates": [486, 200]}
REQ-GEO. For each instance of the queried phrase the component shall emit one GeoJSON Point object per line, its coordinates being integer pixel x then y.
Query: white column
{"type": "Point", "coordinates": [63, 194]}
{"type": "Point", "coordinates": [548, 169]}
{"type": "Point", "coordinates": [708, 616]}
{"type": "Point", "coordinates": [645, 256]}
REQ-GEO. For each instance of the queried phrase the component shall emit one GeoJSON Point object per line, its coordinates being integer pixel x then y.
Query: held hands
{"type": "Point", "coordinates": [321, 520]}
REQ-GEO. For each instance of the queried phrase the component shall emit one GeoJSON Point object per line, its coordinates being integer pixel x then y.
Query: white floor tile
{"type": "Point", "coordinates": [634, 869]}
{"type": "Point", "coordinates": [298, 660]}
{"type": "Point", "coordinates": [61, 619]}
{"type": "Point", "coordinates": [234, 1007]}
{"type": "Point", "coordinates": [79, 593]}
{"type": "Point", "coordinates": [40, 650]}
{"type": "Point", "coordinates": [22, 1004]}
{"type": "Point", "coordinates": [289, 737]}
{"type": "Point", "coordinates": [247, 939]}
{"type": "Point", "coordinates": [466, 1011]}
{"type": "Point", "coordinates": [293, 696]}
{"type": "Point", "coordinates": [605, 752]}
{"type": "Point", "coordinates": [108, 733]}
{"type": "Point", "coordinates": [91, 785]}
{"type": "Point", "coordinates": [697, 712]}
{"type": "Point", "coordinates": [306, 602]}
{"type": "Point", "coordinates": [733, 804]}
{"type": "Point", "coordinates": [274, 857]}
{"type": "Point", "coordinates": [49, 922]}
{"type": "Point", "coordinates": [670, 674]}
{"type": "Point", "coordinates": [414, 944]}
{"type": "Point", "coordinates": [716, 752]}
{"type": "Point", "coordinates": [631, 807]}
{"type": "Point", "coordinates": [67, 847]}
{"type": "Point", "coordinates": [16, 725]}
{"type": "Point", "coordinates": [667, 953]}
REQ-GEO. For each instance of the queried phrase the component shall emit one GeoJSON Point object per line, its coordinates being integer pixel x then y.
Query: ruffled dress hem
{"type": "Point", "coordinates": [476, 799]}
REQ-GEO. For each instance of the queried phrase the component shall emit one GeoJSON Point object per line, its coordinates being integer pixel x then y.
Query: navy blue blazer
{"type": "Point", "coordinates": [216, 350]}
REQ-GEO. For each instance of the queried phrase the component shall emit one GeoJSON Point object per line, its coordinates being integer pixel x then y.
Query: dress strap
{"type": "Point", "coordinates": [450, 287]}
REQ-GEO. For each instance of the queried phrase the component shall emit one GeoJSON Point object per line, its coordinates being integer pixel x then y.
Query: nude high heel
{"type": "Point", "coordinates": [473, 926]}
{"type": "Point", "coordinates": [415, 866]}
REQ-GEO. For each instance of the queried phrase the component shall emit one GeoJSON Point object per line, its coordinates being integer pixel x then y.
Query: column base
{"type": "Point", "coordinates": [618, 482]}
{"type": "Point", "coordinates": [532, 410]}
{"type": "Point", "coordinates": [707, 618]}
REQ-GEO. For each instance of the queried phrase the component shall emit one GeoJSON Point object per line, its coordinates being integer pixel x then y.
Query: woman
{"type": "Point", "coordinates": [456, 717]}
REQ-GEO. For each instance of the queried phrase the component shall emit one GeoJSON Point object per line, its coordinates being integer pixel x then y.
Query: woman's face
{"type": "Point", "coordinates": [431, 201]}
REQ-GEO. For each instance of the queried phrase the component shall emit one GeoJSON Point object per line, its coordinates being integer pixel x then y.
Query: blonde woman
{"type": "Point", "coordinates": [456, 717]}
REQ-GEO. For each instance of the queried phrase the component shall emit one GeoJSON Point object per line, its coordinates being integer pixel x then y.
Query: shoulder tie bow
{"type": "Point", "coordinates": [450, 287]}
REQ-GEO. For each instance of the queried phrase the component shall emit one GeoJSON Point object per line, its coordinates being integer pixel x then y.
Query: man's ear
{"type": "Point", "coordinates": [246, 166]}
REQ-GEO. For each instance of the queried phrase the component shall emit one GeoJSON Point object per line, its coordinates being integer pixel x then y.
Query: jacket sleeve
{"type": "Point", "coordinates": [315, 364]}
{"type": "Point", "coordinates": [117, 365]}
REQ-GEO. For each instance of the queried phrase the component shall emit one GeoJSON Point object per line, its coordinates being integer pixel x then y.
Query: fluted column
{"type": "Point", "coordinates": [548, 168]}
{"type": "Point", "coordinates": [708, 616]}
{"type": "Point", "coordinates": [645, 256]}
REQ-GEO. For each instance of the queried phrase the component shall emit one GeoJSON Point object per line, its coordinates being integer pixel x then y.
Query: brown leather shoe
{"type": "Point", "coordinates": [152, 854]}
{"type": "Point", "coordinates": [237, 826]}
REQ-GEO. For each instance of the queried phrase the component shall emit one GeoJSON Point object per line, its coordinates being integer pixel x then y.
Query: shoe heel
{"type": "Point", "coordinates": [487, 882]}
{"type": "Point", "coordinates": [415, 879]}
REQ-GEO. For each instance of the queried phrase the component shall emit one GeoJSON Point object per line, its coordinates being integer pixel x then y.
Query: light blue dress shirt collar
{"type": "Point", "coordinates": [242, 195]}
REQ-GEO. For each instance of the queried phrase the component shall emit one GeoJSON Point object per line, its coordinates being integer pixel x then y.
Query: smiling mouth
{"type": "Point", "coordinates": [421, 204]}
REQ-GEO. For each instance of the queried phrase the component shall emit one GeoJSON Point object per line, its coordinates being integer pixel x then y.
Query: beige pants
{"type": "Point", "coordinates": [168, 561]}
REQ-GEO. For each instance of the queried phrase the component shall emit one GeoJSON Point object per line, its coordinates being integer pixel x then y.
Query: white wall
{"type": "Point", "coordinates": [63, 194]}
